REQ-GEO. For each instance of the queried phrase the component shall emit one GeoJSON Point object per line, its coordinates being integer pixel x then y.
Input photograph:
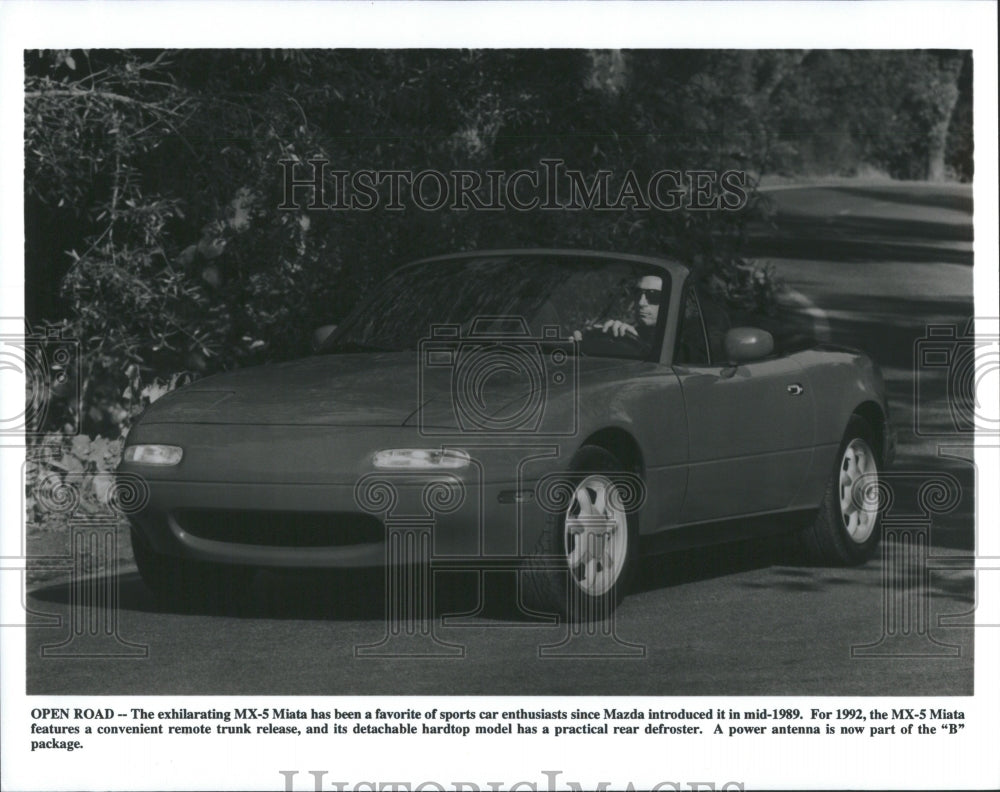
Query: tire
{"type": "Point", "coordinates": [585, 579]}
{"type": "Point", "coordinates": [847, 529]}
{"type": "Point", "coordinates": [182, 583]}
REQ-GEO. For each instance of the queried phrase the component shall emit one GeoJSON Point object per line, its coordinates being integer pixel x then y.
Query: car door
{"type": "Point", "coordinates": [750, 426]}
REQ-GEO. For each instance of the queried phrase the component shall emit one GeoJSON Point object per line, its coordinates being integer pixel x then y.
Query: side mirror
{"type": "Point", "coordinates": [320, 335]}
{"type": "Point", "coordinates": [746, 344]}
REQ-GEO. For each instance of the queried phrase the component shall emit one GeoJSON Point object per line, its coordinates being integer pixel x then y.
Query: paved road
{"type": "Point", "coordinates": [877, 263]}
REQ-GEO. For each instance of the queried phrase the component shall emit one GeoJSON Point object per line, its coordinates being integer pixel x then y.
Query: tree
{"type": "Point", "coordinates": [153, 179]}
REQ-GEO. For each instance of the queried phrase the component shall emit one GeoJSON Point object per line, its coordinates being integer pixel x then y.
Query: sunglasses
{"type": "Point", "coordinates": [652, 295]}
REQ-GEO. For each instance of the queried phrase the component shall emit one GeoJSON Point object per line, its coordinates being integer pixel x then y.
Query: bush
{"type": "Point", "coordinates": [153, 178]}
{"type": "Point", "coordinates": [160, 174]}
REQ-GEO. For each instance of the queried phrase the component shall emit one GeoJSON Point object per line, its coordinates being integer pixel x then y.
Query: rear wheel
{"type": "Point", "coordinates": [847, 528]}
{"type": "Point", "coordinates": [180, 582]}
{"type": "Point", "coordinates": [584, 560]}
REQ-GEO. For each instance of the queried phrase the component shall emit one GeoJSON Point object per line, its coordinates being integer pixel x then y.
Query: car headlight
{"type": "Point", "coordinates": [154, 454]}
{"type": "Point", "coordinates": [421, 459]}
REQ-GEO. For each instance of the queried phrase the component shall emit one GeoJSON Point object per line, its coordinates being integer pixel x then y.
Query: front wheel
{"type": "Point", "coordinates": [585, 557]}
{"type": "Point", "coordinates": [847, 528]}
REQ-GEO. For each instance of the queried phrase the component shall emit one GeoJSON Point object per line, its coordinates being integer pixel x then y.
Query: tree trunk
{"type": "Point", "coordinates": [936, 166]}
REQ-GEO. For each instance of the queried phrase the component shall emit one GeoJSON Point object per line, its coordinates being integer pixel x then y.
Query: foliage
{"type": "Point", "coordinates": [843, 112]}
{"type": "Point", "coordinates": [753, 289]}
{"type": "Point", "coordinates": [65, 468]}
{"type": "Point", "coordinates": [69, 473]}
{"type": "Point", "coordinates": [153, 179]}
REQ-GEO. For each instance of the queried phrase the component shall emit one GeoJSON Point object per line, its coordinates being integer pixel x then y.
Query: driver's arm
{"type": "Point", "coordinates": [617, 328]}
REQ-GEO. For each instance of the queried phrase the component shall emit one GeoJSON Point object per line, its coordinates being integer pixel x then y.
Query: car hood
{"type": "Point", "coordinates": [366, 389]}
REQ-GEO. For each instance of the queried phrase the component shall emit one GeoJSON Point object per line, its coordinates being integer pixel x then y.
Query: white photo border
{"type": "Point", "coordinates": [965, 761]}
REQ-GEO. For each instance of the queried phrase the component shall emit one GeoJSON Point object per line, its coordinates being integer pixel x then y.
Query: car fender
{"type": "Point", "coordinates": [647, 406]}
{"type": "Point", "coordinates": [844, 382]}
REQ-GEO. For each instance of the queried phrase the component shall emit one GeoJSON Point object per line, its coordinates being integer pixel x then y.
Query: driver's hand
{"type": "Point", "coordinates": [618, 328]}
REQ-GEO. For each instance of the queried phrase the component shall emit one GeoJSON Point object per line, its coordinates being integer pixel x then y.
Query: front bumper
{"type": "Point", "coordinates": [339, 511]}
{"type": "Point", "coordinates": [480, 526]}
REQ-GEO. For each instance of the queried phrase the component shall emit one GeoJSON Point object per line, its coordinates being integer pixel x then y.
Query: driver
{"type": "Point", "coordinates": [647, 292]}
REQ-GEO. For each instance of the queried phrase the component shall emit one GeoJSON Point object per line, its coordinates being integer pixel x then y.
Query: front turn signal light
{"type": "Point", "coordinates": [421, 459]}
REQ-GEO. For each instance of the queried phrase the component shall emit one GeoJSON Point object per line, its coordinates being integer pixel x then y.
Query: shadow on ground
{"type": "Point", "coordinates": [360, 595]}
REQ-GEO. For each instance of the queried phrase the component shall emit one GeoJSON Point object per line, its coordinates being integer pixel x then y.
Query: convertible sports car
{"type": "Point", "coordinates": [553, 412]}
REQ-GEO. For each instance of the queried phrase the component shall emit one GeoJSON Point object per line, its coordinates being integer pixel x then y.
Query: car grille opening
{"type": "Point", "coordinates": [281, 529]}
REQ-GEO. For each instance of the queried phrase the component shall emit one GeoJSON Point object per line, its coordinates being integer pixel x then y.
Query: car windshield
{"type": "Point", "coordinates": [499, 297]}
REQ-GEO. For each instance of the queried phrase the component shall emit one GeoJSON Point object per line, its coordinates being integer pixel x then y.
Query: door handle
{"type": "Point", "coordinates": [795, 389]}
